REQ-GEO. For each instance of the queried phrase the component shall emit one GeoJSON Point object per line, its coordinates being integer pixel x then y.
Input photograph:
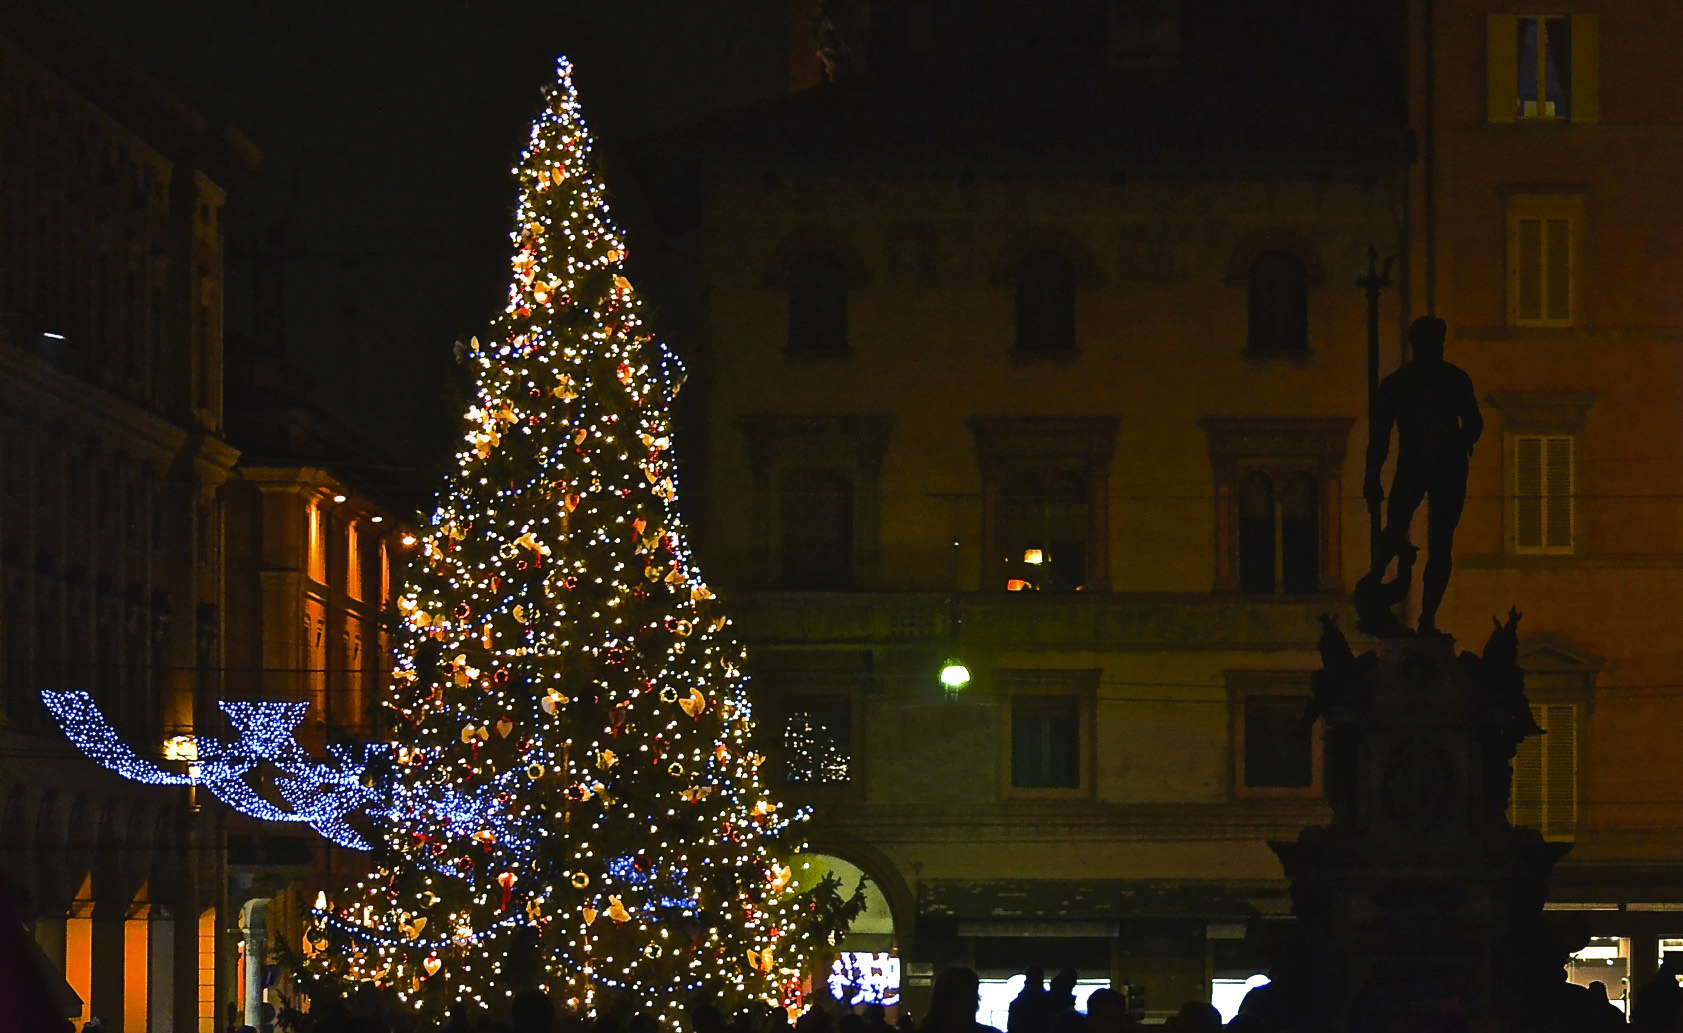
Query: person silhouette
{"type": "Point", "coordinates": [1431, 404]}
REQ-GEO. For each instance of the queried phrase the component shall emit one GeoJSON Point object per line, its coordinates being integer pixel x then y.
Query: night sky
{"type": "Point", "coordinates": [388, 131]}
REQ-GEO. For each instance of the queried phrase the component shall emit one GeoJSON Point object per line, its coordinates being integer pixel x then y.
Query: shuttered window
{"type": "Point", "coordinates": [1542, 499]}
{"type": "Point", "coordinates": [1545, 787]}
{"type": "Point", "coordinates": [1543, 277]}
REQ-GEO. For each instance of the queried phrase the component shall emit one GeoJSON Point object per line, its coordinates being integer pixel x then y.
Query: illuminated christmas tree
{"type": "Point", "coordinates": [576, 804]}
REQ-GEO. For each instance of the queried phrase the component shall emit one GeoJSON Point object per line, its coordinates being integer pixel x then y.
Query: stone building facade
{"type": "Point", "coordinates": [1041, 351]}
{"type": "Point", "coordinates": [112, 463]}
{"type": "Point", "coordinates": [1535, 229]}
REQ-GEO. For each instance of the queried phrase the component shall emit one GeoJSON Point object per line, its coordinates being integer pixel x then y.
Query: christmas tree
{"type": "Point", "coordinates": [575, 800]}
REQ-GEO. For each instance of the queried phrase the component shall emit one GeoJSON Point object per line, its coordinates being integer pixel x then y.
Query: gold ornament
{"type": "Point", "coordinates": [616, 910]}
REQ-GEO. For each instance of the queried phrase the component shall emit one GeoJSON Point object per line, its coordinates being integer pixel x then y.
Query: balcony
{"type": "Point", "coordinates": [1031, 620]}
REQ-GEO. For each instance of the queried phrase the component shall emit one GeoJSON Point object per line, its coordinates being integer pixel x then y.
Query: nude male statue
{"type": "Point", "coordinates": [1432, 405]}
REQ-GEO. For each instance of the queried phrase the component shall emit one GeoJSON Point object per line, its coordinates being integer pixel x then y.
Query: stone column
{"type": "Point", "coordinates": [255, 920]}
{"type": "Point", "coordinates": [106, 986]}
{"type": "Point", "coordinates": [160, 970]}
{"type": "Point", "coordinates": [1644, 958]}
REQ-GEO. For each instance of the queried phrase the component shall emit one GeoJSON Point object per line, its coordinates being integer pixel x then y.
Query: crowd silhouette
{"type": "Point", "coordinates": [1042, 1006]}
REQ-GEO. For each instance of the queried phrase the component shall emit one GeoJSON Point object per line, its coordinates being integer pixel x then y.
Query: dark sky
{"type": "Point", "coordinates": [388, 130]}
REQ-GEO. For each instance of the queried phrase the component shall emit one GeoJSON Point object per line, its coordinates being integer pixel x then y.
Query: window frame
{"type": "Point", "coordinates": [1542, 547]}
{"type": "Point", "coordinates": [1553, 826]}
{"type": "Point", "coordinates": [1540, 414]}
{"type": "Point", "coordinates": [790, 705]}
{"type": "Point", "coordinates": [1279, 447]}
{"type": "Point", "coordinates": [1544, 209]}
{"type": "Point", "coordinates": [779, 445]}
{"type": "Point", "coordinates": [785, 571]}
{"type": "Point", "coordinates": [1063, 279]}
{"type": "Point", "coordinates": [1254, 294]}
{"type": "Point", "coordinates": [1557, 674]}
{"type": "Point", "coordinates": [1078, 684]}
{"type": "Point", "coordinates": [1008, 446]}
{"type": "Point", "coordinates": [1582, 71]}
{"type": "Point", "coordinates": [835, 266]}
{"type": "Point", "coordinates": [1243, 686]}
{"type": "Point", "coordinates": [783, 679]}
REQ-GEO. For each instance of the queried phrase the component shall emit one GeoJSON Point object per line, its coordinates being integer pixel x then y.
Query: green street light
{"type": "Point", "coordinates": [955, 677]}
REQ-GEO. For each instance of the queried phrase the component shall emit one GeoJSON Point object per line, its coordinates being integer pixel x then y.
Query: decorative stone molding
{"type": "Point", "coordinates": [1277, 444]}
{"type": "Point", "coordinates": [852, 444]}
{"type": "Point", "coordinates": [1542, 412]}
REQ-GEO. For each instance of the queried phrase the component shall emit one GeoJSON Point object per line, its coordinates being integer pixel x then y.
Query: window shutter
{"type": "Point", "coordinates": [1586, 73]}
{"type": "Point", "coordinates": [1526, 807]}
{"type": "Point", "coordinates": [1543, 493]}
{"type": "Point", "coordinates": [1502, 67]}
{"type": "Point", "coordinates": [1528, 270]}
{"type": "Point", "coordinates": [1560, 771]}
{"type": "Point", "coordinates": [1557, 270]}
{"type": "Point", "coordinates": [1528, 492]}
{"type": "Point", "coordinates": [1557, 502]}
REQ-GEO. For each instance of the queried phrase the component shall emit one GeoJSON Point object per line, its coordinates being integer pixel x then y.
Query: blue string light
{"type": "Point", "coordinates": [327, 797]}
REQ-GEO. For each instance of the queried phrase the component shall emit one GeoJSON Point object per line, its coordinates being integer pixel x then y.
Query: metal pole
{"type": "Point", "coordinates": [1376, 279]}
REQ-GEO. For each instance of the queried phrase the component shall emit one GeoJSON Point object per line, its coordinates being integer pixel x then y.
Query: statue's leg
{"type": "Point", "coordinates": [1443, 512]}
{"type": "Point", "coordinates": [1408, 488]}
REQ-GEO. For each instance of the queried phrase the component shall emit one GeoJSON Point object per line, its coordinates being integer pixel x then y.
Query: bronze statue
{"type": "Point", "coordinates": [1432, 405]}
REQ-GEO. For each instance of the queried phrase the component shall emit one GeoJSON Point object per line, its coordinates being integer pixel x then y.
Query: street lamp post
{"type": "Point", "coordinates": [1375, 280]}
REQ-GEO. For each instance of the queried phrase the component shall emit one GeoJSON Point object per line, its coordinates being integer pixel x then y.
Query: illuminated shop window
{"type": "Point", "coordinates": [861, 977]}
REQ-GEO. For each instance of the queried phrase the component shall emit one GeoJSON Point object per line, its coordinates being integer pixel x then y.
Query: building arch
{"type": "Point", "coordinates": [883, 874]}
{"type": "Point", "coordinates": [1252, 247]}
{"type": "Point", "coordinates": [1084, 264]}
{"type": "Point", "coordinates": [816, 240]}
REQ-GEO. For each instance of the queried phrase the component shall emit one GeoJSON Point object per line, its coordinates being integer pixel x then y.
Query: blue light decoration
{"type": "Point", "coordinates": [326, 796]}
{"type": "Point", "coordinates": [626, 870]}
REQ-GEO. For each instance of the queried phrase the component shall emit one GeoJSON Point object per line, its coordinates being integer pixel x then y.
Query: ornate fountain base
{"type": "Point", "coordinates": [1420, 907]}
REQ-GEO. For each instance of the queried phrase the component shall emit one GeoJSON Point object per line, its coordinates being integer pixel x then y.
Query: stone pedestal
{"type": "Point", "coordinates": [1419, 907]}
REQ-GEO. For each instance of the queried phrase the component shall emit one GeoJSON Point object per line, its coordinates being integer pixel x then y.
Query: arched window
{"type": "Point", "coordinates": [1045, 282]}
{"type": "Point", "coordinates": [816, 530]}
{"type": "Point", "coordinates": [1278, 303]}
{"type": "Point", "coordinates": [817, 305]}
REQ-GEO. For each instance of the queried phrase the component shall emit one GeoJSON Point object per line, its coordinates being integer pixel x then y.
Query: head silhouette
{"type": "Point", "coordinates": [1425, 338]}
{"type": "Point", "coordinates": [954, 998]}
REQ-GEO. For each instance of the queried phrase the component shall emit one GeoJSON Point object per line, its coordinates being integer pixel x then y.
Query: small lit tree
{"type": "Point", "coordinates": [576, 803]}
